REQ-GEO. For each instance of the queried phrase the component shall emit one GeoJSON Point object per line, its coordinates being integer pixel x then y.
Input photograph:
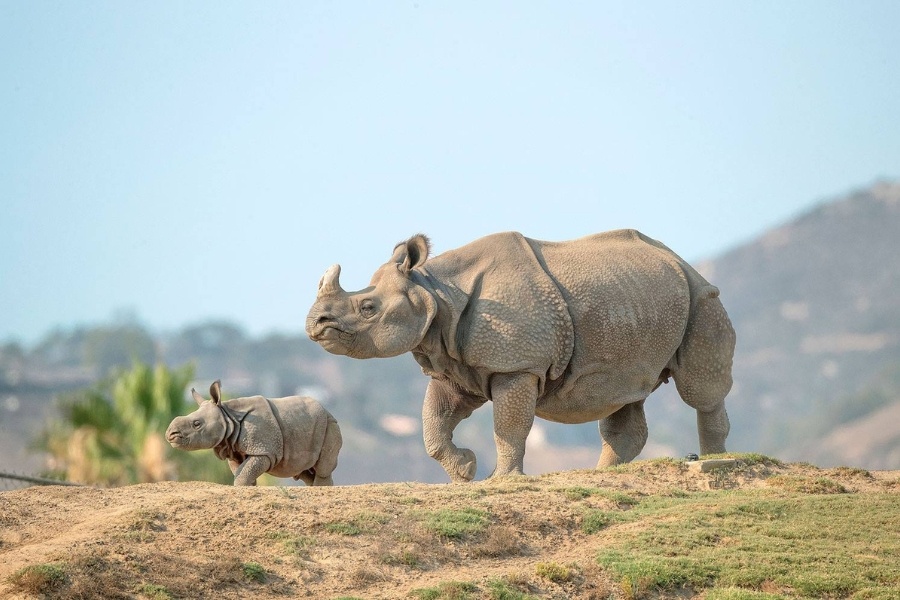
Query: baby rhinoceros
{"type": "Point", "coordinates": [284, 437]}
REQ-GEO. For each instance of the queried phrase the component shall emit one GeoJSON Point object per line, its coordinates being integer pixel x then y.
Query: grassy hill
{"type": "Point", "coordinates": [756, 529]}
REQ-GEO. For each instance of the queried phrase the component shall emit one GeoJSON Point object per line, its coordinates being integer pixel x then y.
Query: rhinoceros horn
{"type": "Point", "coordinates": [329, 283]}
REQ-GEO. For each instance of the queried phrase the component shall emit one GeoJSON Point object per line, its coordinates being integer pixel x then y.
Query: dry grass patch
{"type": "Point", "coordinates": [499, 541]}
{"type": "Point", "coordinates": [806, 485]}
{"type": "Point", "coordinates": [413, 546]}
{"type": "Point", "coordinates": [554, 572]}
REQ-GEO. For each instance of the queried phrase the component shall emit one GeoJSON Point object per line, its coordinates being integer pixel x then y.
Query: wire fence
{"type": "Point", "coordinates": [14, 481]}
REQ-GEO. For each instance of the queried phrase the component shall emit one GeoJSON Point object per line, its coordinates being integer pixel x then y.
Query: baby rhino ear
{"type": "Point", "coordinates": [215, 391]}
{"type": "Point", "coordinates": [197, 397]}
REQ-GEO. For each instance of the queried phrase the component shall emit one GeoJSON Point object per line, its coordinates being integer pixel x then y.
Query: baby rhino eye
{"type": "Point", "coordinates": [196, 424]}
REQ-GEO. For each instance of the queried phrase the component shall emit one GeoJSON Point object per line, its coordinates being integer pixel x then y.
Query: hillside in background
{"type": "Point", "coordinates": [815, 303]}
{"type": "Point", "coordinates": [816, 307]}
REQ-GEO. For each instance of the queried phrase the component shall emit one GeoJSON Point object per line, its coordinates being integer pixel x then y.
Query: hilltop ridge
{"type": "Point", "coordinates": [649, 529]}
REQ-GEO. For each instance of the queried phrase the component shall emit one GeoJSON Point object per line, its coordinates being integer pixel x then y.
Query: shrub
{"type": "Point", "coordinates": [38, 579]}
{"type": "Point", "coordinates": [253, 572]}
{"type": "Point", "coordinates": [554, 572]}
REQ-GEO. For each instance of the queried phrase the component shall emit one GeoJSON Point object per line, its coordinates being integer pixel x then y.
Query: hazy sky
{"type": "Point", "coordinates": [200, 160]}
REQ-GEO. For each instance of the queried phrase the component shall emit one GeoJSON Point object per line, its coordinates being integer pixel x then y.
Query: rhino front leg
{"type": "Point", "coordinates": [445, 406]}
{"type": "Point", "coordinates": [514, 397]}
{"type": "Point", "coordinates": [250, 470]}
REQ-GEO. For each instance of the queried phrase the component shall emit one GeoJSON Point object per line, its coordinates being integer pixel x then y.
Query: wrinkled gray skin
{"type": "Point", "coordinates": [571, 332]}
{"type": "Point", "coordinates": [285, 437]}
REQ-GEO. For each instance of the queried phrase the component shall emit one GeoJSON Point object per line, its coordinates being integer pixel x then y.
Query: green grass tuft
{"type": "Point", "coordinates": [739, 594]}
{"type": "Point", "coordinates": [253, 572]}
{"type": "Point", "coordinates": [449, 590]}
{"type": "Point", "coordinates": [594, 521]}
{"type": "Point", "coordinates": [342, 528]}
{"type": "Point", "coordinates": [406, 558]}
{"type": "Point", "coordinates": [38, 579]}
{"type": "Point", "coordinates": [499, 589]}
{"type": "Point", "coordinates": [363, 522]}
{"type": "Point", "coordinates": [154, 592]}
{"type": "Point", "coordinates": [456, 524]}
{"type": "Point", "coordinates": [578, 492]}
{"type": "Point", "coordinates": [808, 543]}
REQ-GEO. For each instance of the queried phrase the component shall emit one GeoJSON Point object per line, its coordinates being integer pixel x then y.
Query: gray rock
{"type": "Point", "coordinates": [712, 464]}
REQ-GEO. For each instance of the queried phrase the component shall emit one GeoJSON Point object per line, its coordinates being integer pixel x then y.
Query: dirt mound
{"type": "Point", "coordinates": [201, 540]}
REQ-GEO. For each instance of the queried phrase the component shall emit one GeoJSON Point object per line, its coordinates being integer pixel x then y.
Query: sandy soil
{"type": "Point", "coordinates": [201, 540]}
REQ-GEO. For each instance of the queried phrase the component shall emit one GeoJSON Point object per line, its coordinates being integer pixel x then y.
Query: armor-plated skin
{"type": "Point", "coordinates": [569, 331]}
{"type": "Point", "coordinates": [285, 437]}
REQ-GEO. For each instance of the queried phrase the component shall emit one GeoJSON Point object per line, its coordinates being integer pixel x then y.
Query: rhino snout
{"type": "Point", "coordinates": [174, 435]}
{"type": "Point", "coordinates": [317, 326]}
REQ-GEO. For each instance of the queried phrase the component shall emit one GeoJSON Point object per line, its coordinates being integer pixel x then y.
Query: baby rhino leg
{"type": "Point", "coordinates": [328, 457]}
{"type": "Point", "coordinates": [624, 434]}
{"type": "Point", "coordinates": [249, 471]}
{"type": "Point", "coordinates": [308, 476]}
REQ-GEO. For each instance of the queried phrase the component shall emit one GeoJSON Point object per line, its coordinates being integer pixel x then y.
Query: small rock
{"type": "Point", "coordinates": [705, 466]}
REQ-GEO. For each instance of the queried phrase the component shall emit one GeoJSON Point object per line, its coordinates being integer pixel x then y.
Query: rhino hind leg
{"type": "Point", "coordinates": [703, 372]}
{"type": "Point", "coordinates": [322, 480]}
{"type": "Point", "coordinates": [307, 476]}
{"type": "Point", "coordinates": [624, 434]}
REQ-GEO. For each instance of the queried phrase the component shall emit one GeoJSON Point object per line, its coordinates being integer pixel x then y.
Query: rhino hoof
{"type": "Point", "coordinates": [468, 465]}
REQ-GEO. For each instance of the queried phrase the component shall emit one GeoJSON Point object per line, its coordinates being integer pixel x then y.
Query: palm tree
{"type": "Point", "coordinates": [112, 433]}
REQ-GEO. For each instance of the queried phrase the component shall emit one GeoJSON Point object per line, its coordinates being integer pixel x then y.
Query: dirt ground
{"type": "Point", "coordinates": [201, 540]}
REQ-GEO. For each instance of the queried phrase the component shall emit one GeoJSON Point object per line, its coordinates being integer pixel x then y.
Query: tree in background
{"type": "Point", "coordinates": [114, 347]}
{"type": "Point", "coordinates": [113, 433]}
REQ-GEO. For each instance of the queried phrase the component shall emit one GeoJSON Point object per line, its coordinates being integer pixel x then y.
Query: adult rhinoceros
{"type": "Point", "coordinates": [571, 331]}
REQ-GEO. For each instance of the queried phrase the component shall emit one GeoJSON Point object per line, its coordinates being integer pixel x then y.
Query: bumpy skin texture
{"type": "Point", "coordinates": [571, 332]}
{"type": "Point", "coordinates": [285, 437]}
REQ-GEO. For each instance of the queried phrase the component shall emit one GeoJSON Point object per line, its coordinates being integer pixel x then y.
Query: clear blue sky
{"type": "Point", "coordinates": [199, 160]}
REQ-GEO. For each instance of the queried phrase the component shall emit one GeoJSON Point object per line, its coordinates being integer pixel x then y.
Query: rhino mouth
{"type": "Point", "coordinates": [333, 339]}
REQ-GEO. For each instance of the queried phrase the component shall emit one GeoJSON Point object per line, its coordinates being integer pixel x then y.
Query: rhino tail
{"type": "Point", "coordinates": [708, 291]}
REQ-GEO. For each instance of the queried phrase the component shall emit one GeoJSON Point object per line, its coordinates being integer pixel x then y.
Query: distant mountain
{"type": "Point", "coordinates": [816, 306]}
{"type": "Point", "coordinates": [815, 303]}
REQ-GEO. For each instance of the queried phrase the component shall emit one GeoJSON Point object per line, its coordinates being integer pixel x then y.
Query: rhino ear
{"type": "Point", "coordinates": [412, 253]}
{"type": "Point", "coordinates": [215, 391]}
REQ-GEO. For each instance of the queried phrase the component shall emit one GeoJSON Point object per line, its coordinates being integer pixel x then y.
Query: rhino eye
{"type": "Point", "coordinates": [196, 424]}
{"type": "Point", "coordinates": [367, 309]}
